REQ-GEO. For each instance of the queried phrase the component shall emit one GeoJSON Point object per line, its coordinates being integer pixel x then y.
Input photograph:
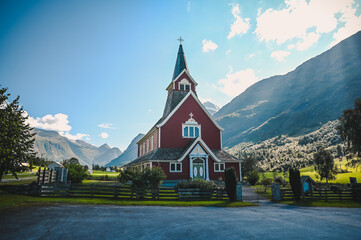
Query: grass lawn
{"type": "Point", "coordinates": [98, 173]}
{"type": "Point", "coordinates": [8, 200]}
{"type": "Point", "coordinates": [340, 178]}
{"type": "Point", "coordinates": [341, 204]}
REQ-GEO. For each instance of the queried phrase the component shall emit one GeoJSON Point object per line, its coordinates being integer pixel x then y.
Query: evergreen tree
{"type": "Point", "coordinates": [350, 129]}
{"type": "Point", "coordinates": [231, 183]}
{"type": "Point", "coordinates": [325, 165]}
{"type": "Point", "coordinates": [16, 139]}
{"type": "Point", "coordinates": [295, 181]}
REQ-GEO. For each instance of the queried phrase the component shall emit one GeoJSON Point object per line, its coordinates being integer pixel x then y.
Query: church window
{"type": "Point", "coordinates": [147, 145]}
{"type": "Point", "coordinates": [219, 167]}
{"type": "Point", "coordinates": [175, 167]}
{"type": "Point", "coordinates": [184, 85]}
{"type": "Point", "coordinates": [191, 129]}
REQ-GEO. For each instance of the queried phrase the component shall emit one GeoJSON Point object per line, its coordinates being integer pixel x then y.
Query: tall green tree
{"type": "Point", "coordinates": [325, 165]}
{"type": "Point", "coordinates": [350, 131]}
{"type": "Point", "coordinates": [16, 139]}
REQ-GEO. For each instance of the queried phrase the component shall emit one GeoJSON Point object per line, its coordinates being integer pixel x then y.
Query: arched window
{"type": "Point", "coordinates": [191, 129]}
{"type": "Point", "coordinates": [184, 85]}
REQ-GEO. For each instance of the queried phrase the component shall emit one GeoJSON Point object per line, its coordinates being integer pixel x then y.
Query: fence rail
{"type": "Point", "coordinates": [320, 194]}
{"type": "Point", "coordinates": [126, 192]}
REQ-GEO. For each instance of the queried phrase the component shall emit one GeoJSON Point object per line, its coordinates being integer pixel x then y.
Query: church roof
{"type": "Point", "coordinates": [180, 63]}
{"type": "Point", "coordinates": [178, 154]}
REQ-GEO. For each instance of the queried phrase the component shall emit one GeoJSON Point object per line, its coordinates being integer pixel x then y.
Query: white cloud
{"type": "Point", "coordinates": [236, 83]}
{"type": "Point", "coordinates": [150, 110]}
{"type": "Point", "coordinates": [58, 122]}
{"type": "Point", "coordinates": [189, 6]}
{"type": "Point", "coordinates": [280, 55]}
{"type": "Point", "coordinates": [228, 51]}
{"type": "Point", "coordinates": [75, 137]}
{"type": "Point", "coordinates": [104, 135]}
{"type": "Point", "coordinates": [291, 46]}
{"type": "Point", "coordinates": [106, 125]}
{"type": "Point", "coordinates": [308, 41]}
{"type": "Point", "coordinates": [208, 45]}
{"type": "Point", "coordinates": [306, 20]}
{"type": "Point", "coordinates": [239, 26]}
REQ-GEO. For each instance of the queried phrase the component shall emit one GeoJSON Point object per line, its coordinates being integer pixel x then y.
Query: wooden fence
{"type": "Point", "coordinates": [340, 193]}
{"type": "Point", "coordinates": [124, 192]}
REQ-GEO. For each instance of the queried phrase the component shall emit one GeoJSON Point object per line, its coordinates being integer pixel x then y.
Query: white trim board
{"type": "Point", "coordinates": [190, 93]}
{"type": "Point", "coordinates": [205, 147]}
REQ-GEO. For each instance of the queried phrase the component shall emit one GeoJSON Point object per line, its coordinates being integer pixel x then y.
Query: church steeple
{"type": "Point", "coordinates": [181, 62]}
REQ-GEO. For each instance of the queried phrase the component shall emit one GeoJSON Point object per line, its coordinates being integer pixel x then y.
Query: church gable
{"type": "Point", "coordinates": [173, 129]}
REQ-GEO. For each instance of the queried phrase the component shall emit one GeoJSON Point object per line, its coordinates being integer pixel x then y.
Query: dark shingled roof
{"type": "Point", "coordinates": [223, 155]}
{"type": "Point", "coordinates": [176, 153]}
{"type": "Point", "coordinates": [180, 63]}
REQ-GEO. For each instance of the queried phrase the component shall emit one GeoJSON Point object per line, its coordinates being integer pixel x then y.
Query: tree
{"type": "Point", "coordinates": [350, 129]}
{"type": "Point", "coordinates": [252, 177]}
{"type": "Point", "coordinates": [295, 181]}
{"type": "Point", "coordinates": [325, 165]}
{"type": "Point", "coordinates": [16, 139]}
{"type": "Point", "coordinates": [249, 163]}
{"type": "Point", "coordinates": [231, 183]}
{"type": "Point", "coordinates": [77, 173]}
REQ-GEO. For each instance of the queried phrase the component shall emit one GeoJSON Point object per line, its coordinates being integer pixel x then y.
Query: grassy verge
{"type": "Point", "coordinates": [97, 173]}
{"type": "Point", "coordinates": [340, 204]}
{"type": "Point", "coordinates": [10, 200]}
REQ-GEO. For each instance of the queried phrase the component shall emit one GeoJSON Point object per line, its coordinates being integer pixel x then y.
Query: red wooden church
{"type": "Point", "coordinates": [186, 142]}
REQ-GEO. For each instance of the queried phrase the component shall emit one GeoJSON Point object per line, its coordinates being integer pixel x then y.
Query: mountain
{"type": "Point", "coordinates": [211, 107]}
{"type": "Point", "coordinates": [299, 102]}
{"type": "Point", "coordinates": [282, 152]}
{"type": "Point", "coordinates": [52, 146]}
{"type": "Point", "coordinates": [129, 154]}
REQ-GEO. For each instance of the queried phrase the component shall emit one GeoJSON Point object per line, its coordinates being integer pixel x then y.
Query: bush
{"type": "Point", "coordinates": [266, 181]}
{"type": "Point", "coordinates": [76, 173]}
{"type": "Point", "coordinates": [231, 183]}
{"type": "Point", "coordinates": [196, 184]}
{"type": "Point", "coordinates": [280, 180]}
{"type": "Point", "coordinates": [295, 181]}
{"type": "Point", "coordinates": [252, 177]}
{"type": "Point", "coordinates": [143, 180]}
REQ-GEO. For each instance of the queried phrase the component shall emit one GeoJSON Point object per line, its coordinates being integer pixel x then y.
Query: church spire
{"type": "Point", "coordinates": [181, 62]}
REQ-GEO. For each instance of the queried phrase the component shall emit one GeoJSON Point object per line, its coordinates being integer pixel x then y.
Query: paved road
{"type": "Point", "coordinates": [113, 222]}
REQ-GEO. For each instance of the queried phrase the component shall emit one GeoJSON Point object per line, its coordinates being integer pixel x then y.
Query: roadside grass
{"type": "Point", "coordinates": [98, 173]}
{"type": "Point", "coordinates": [340, 204]}
{"type": "Point", "coordinates": [8, 200]}
{"type": "Point", "coordinates": [342, 178]}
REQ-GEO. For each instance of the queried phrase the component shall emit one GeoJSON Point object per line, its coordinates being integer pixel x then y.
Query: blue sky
{"type": "Point", "coordinates": [97, 70]}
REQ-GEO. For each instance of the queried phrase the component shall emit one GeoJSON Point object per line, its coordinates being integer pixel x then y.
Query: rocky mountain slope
{"type": "Point", "coordinates": [52, 146]}
{"type": "Point", "coordinates": [299, 102]}
{"type": "Point", "coordinates": [211, 107]}
{"type": "Point", "coordinates": [129, 154]}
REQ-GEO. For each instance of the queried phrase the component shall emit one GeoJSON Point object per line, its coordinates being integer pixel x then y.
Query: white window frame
{"type": "Point", "coordinates": [194, 131]}
{"type": "Point", "coordinates": [175, 167]}
{"type": "Point", "coordinates": [140, 150]}
{"type": "Point", "coordinates": [148, 145]}
{"type": "Point", "coordinates": [184, 82]}
{"type": "Point", "coordinates": [219, 167]}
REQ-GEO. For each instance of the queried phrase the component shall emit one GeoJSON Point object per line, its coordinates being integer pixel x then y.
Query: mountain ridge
{"type": "Point", "coordinates": [298, 102]}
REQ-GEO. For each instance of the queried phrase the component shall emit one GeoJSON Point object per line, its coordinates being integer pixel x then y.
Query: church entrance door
{"type": "Point", "coordinates": [198, 169]}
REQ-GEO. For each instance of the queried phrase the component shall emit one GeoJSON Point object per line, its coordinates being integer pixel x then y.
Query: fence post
{"type": "Point", "coordinates": [51, 175]}
{"type": "Point", "coordinates": [115, 191]}
{"type": "Point", "coordinates": [92, 191]}
{"type": "Point", "coordinates": [276, 192]}
{"type": "Point", "coordinates": [44, 175]}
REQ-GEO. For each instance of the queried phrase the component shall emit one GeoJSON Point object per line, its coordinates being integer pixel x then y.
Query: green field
{"type": "Point", "coordinates": [340, 177]}
{"type": "Point", "coordinates": [97, 173]}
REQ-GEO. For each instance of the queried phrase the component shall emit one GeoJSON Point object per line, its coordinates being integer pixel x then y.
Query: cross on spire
{"type": "Point", "coordinates": [180, 39]}
{"type": "Point", "coordinates": [191, 115]}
